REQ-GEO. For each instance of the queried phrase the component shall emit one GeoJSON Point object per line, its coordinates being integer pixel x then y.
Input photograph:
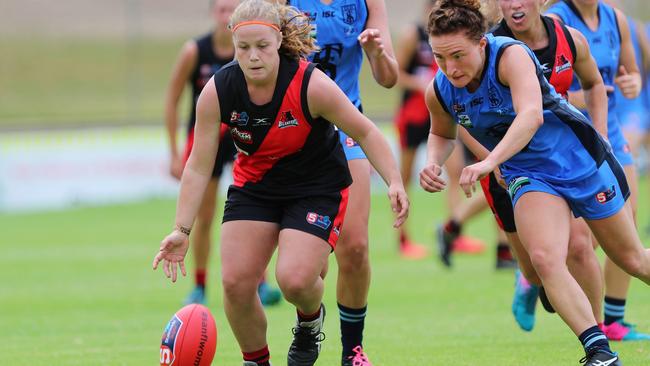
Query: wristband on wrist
{"type": "Point", "coordinates": [183, 229]}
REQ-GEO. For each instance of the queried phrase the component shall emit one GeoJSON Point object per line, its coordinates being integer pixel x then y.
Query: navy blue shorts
{"type": "Point", "coordinates": [321, 215]}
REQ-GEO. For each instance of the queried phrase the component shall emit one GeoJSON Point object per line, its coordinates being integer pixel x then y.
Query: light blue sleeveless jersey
{"type": "Point", "coordinates": [632, 113]}
{"type": "Point", "coordinates": [605, 45]}
{"type": "Point", "coordinates": [565, 149]}
{"type": "Point", "coordinates": [336, 27]}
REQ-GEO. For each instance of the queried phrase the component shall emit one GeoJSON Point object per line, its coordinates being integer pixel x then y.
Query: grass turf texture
{"type": "Point", "coordinates": [78, 289]}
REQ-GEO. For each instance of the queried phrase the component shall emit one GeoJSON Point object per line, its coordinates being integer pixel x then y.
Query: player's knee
{"type": "Point", "coordinates": [294, 287]}
{"type": "Point", "coordinates": [237, 287]}
{"type": "Point", "coordinates": [581, 251]}
{"type": "Point", "coordinates": [354, 247]}
{"type": "Point", "coordinates": [544, 262]}
{"type": "Point", "coordinates": [634, 266]}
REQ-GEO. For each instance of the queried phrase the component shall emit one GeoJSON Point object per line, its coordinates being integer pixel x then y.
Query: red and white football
{"type": "Point", "coordinates": [190, 338]}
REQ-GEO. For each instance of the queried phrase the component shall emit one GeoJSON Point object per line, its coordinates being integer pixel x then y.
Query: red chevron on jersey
{"type": "Point", "coordinates": [287, 135]}
{"type": "Point", "coordinates": [562, 74]}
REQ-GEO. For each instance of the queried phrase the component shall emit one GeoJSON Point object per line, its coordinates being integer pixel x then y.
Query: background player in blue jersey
{"type": "Point", "coordinates": [633, 113]}
{"type": "Point", "coordinates": [344, 30]}
{"type": "Point", "coordinates": [608, 34]}
{"type": "Point", "coordinates": [552, 159]}
{"type": "Point", "coordinates": [198, 60]}
{"type": "Point", "coordinates": [269, 40]}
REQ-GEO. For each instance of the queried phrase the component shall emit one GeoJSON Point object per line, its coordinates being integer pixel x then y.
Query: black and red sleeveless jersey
{"type": "Point", "coordinates": [207, 64]}
{"type": "Point", "coordinates": [422, 63]}
{"type": "Point", "coordinates": [413, 109]}
{"type": "Point", "coordinates": [557, 58]}
{"type": "Point", "coordinates": [283, 151]}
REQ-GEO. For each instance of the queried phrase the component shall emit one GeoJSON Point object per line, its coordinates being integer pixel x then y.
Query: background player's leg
{"type": "Point", "coordinates": [353, 280]}
{"type": "Point", "coordinates": [617, 281]}
{"type": "Point", "coordinates": [408, 249]}
{"type": "Point", "coordinates": [201, 240]}
{"type": "Point", "coordinates": [618, 237]}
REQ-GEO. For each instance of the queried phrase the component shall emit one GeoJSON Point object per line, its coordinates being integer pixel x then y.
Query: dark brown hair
{"type": "Point", "coordinates": [453, 16]}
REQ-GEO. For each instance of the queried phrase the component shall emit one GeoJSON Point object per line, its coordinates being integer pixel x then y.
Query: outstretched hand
{"type": "Point", "coordinates": [371, 42]}
{"type": "Point", "coordinates": [472, 174]}
{"type": "Point", "coordinates": [399, 203]}
{"type": "Point", "coordinates": [430, 179]}
{"type": "Point", "coordinates": [629, 84]}
{"type": "Point", "coordinates": [172, 254]}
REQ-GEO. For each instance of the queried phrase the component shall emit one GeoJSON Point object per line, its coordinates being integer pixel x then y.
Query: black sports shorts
{"type": "Point", "coordinates": [321, 215]}
{"type": "Point", "coordinates": [500, 203]}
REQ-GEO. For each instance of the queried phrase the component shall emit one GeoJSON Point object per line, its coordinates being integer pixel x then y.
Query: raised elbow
{"type": "Point", "coordinates": [389, 81]}
{"type": "Point", "coordinates": [535, 118]}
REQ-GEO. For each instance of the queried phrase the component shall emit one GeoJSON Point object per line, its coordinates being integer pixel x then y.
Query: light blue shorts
{"type": "Point", "coordinates": [598, 196]}
{"type": "Point", "coordinates": [620, 147]}
{"type": "Point", "coordinates": [351, 148]}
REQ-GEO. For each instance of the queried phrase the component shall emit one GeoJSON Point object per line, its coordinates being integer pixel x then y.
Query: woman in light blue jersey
{"type": "Point", "coordinates": [609, 37]}
{"type": "Point", "coordinates": [633, 113]}
{"type": "Point", "coordinates": [552, 159]}
{"type": "Point", "coordinates": [344, 30]}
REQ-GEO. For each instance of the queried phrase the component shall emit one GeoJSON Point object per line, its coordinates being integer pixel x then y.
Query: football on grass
{"type": "Point", "coordinates": [190, 338]}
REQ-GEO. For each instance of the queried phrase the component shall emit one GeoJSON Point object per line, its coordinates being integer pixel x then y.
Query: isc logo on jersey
{"type": "Point", "coordinates": [321, 221]}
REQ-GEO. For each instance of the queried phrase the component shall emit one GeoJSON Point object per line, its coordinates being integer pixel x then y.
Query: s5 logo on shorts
{"type": "Point", "coordinates": [608, 195]}
{"type": "Point", "coordinates": [349, 142]}
{"type": "Point", "coordinates": [321, 221]}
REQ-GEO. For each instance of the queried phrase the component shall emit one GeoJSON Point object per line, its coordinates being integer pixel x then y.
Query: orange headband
{"type": "Point", "coordinates": [249, 22]}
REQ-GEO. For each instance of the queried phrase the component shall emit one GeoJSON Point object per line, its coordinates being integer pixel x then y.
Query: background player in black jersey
{"type": "Point", "coordinates": [198, 60]}
{"type": "Point", "coordinates": [416, 70]}
{"type": "Point", "coordinates": [302, 171]}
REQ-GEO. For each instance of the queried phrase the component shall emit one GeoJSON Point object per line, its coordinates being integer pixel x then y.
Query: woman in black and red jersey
{"type": "Point", "coordinates": [290, 176]}
{"type": "Point", "coordinates": [416, 70]}
{"type": "Point", "coordinates": [562, 51]}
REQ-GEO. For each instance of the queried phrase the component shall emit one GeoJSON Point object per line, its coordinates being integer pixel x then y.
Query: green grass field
{"type": "Point", "coordinates": [78, 289]}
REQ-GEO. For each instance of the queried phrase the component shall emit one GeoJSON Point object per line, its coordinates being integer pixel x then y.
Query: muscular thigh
{"type": "Point", "coordinates": [543, 222]}
{"type": "Point", "coordinates": [301, 254]}
{"type": "Point", "coordinates": [247, 247]}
